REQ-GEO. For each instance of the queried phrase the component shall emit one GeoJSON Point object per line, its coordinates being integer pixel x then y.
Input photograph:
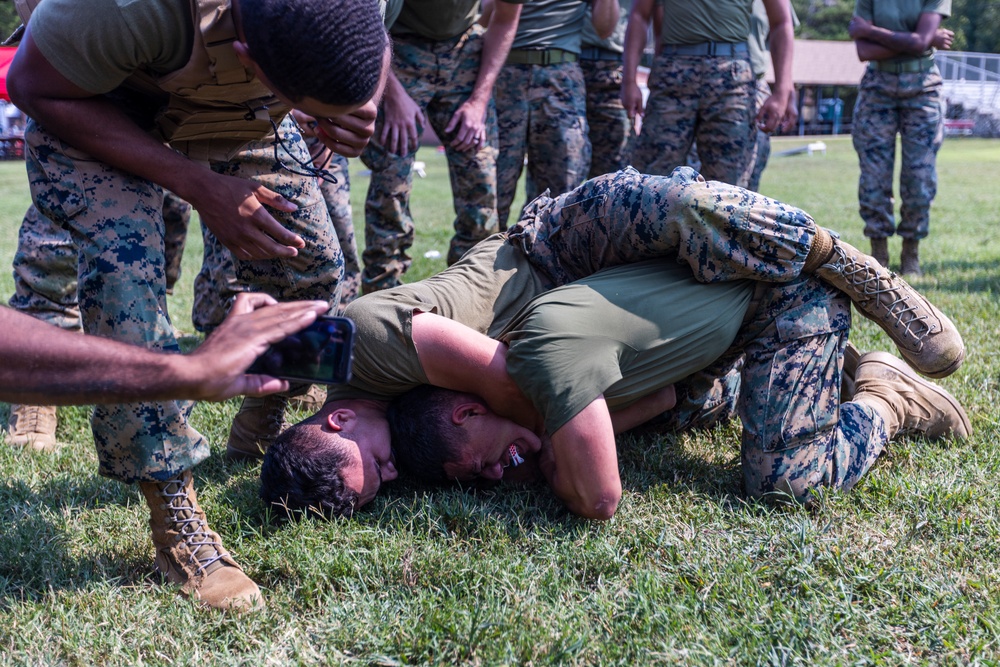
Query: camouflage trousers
{"type": "Point", "coordinates": [908, 105]}
{"type": "Point", "coordinates": [176, 218]}
{"type": "Point", "coordinates": [541, 114]}
{"type": "Point", "coordinates": [789, 351]}
{"type": "Point", "coordinates": [439, 76]}
{"type": "Point", "coordinates": [708, 99]}
{"type": "Point", "coordinates": [115, 221]}
{"type": "Point", "coordinates": [723, 232]}
{"type": "Point", "coordinates": [315, 273]}
{"type": "Point", "coordinates": [609, 125]}
{"type": "Point", "coordinates": [338, 203]}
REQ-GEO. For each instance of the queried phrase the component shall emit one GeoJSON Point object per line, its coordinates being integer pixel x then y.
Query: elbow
{"type": "Point", "coordinates": [601, 506]}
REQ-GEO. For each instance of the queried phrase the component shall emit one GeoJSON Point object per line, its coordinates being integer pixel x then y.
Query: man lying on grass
{"type": "Point", "coordinates": [419, 334]}
{"type": "Point", "coordinates": [597, 356]}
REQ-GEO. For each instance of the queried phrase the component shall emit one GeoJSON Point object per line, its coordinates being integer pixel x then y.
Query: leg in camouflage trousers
{"type": "Point", "coordinates": [710, 99]}
{"type": "Point", "coordinates": [440, 77]}
{"type": "Point", "coordinates": [338, 204]}
{"type": "Point", "coordinates": [176, 218]}
{"type": "Point", "coordinates": [909, 105]}
{"type": "Point", "coordinates": [609, 125]}
{"type": "Point", "coordinates": [541, 113]}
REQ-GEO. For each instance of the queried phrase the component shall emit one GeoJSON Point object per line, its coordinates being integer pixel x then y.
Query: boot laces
{"type": "Point", "coordinates": [192, 529]}
{"type": "Point", "coordinates": [34, 419]}
{"type": "Point", "coordinates": [867, 283]}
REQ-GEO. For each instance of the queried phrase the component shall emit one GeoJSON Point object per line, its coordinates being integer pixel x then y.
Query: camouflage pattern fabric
{"type": "Point", "coordinates": [45, 266]}
{"type": "Point", "coordinates": [722, 232]}
{"type": "Point", "coordinates": [176, 218]}
{"type": "Point", "coordinates": [708, 99]}
{"type": "Point", "coordinates": [338, 204]}
{"type": "Point", "coordinates": [909, 105]}
{"type": "Point", "coordinates": [541, 114]}
{"type": "Point", "coordinates": [609, 126]}
{"type": "Point", "coordinates": [315, 273]}
{"type": "Point", "coordinates": [115, 220]}
{"type": "Point", "coordinates": [796, 434]}
{"type": "Point", "coordinates": [440, 77]}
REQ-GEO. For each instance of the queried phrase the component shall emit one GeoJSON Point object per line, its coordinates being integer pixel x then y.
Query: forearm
{"type": "Point", "coordinates": [782, 47]}
{"type": "Point", "coordinates": [868, 51]}
{"type": "Point", "coordinates": [496, 46]}
{"type": "Point", "coordinates": [46, 365]}
{"type": "Point", "coordinates": [647, 407]}
{"type": "Point", "coordinates": [903, 43]}
{"type": "Point", "coordinates": [635, 39]}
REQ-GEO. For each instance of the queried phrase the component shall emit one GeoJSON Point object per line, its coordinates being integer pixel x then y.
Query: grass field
{"type": "Point", "coordinates": [903, 570]}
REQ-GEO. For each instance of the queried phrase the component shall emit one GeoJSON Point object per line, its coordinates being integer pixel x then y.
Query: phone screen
{"type": "Point", "coordinates": [321, 353]}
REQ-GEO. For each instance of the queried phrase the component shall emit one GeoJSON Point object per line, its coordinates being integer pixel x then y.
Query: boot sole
{"type": "Point", "coordinates": [241, 455]}
{"type": "Point", "coordinates": [897, 364]}
{"type": "Point", "coordinates": [937, 375]}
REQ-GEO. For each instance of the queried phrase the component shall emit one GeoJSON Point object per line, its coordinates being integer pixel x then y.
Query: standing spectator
{"type": "Point", "coordinates": [444, 66]}
{"type": "Point", "coordinates": [900, 94]}
{"type": "Point", "coordinates": [131, 97]}
{"type": "Point", "coordinates": [609, 126]}
{"type": "Point", "coordinates": [701, 86]}
{"type": "Point", "coordinates": [542, 101]}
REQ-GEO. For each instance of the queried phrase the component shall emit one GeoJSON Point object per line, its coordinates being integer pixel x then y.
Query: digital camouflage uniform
{"type": "Point", "coordinates": [901, 96]}
{"type": "Point", "coordinates": [797, 435]}
{"type": "Point", "coordinates": [542, 108]}
{"type": "Point", "coordinates": [122, 285]}
{"type": "Point", "coordinates": [439, 73]}
{"type": "Point", "coordinates": [176, 218]}
{"type": "Point", "coordinates": [694, 95]}
{"type": "Point", "coordinates": [216, 284]}
{"type": "Point", "coordinates": [609, 125]}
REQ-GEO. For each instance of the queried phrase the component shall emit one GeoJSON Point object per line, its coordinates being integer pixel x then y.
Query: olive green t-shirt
{"type": "Point", "coordinates": [551, 24]}
{"type": "Point", "coordinates": [697, 21]}
{"type": "Point", "coordinates": [623, 332]}
{"type": "Point", "coordinates": [483, 290]}
{"type": "Point", "coordinates": [98, 44]}
{"type": "Point", "coordinates": [900, 15]}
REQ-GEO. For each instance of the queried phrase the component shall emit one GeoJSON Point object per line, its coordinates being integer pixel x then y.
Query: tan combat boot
{"type": "Point", "coordinates": [926, 338]}
{"type": "Point", "coordinates": [33, 426]}
{"type": "Point", "coordinates": [847, 377]}
{"type": "Point", "coordinates": [257, 424]}
{"type": "Point", "coordinates": [910, 258]}
{"type": "Point", "coordinates": [880, 251]}
{"type": "Point", "coordinates": [311, 401]}
{"type": "Point", "coordinates": [190, 553]}
{"type": "Point", "coordinates": [907, 402]}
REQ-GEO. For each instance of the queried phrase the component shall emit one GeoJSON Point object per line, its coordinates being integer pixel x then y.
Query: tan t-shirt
{"type": "Point", "coordinates": [483, 291]}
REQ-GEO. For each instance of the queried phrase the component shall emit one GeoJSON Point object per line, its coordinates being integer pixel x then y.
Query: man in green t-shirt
{"type": "Point", "coordinates": [131, 97]}
{"type": "Point", "coordinates": [438, 331]}
{"type": "Point", "coordinates": [900, 93]}
{"type": "Point", "coordinates": [600, 356]}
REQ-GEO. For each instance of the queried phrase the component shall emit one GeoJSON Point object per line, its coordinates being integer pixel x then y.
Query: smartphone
{"type": "Point", "coordinates": [321, 353]}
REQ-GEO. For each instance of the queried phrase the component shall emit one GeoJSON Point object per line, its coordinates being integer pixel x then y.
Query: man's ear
{"type": "Point", "coordinates": [340, 419]}
{"type": "Point", "coordinates": [466, 410]}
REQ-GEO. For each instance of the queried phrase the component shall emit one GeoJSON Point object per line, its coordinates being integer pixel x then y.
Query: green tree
{"type": "Point", "coordinates": [9, 20]}
{"type": "Point", "coordinates": [823, 19]}
{"type": "Point", "coordinates": [976, 24]}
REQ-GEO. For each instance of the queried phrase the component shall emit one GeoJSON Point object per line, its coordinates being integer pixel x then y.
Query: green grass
{"type": "Point", "coordinates": [903, 570]}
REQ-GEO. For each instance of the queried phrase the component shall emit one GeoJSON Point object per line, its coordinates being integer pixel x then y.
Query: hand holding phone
{"type": "Point", "coordinates": [321, 353]}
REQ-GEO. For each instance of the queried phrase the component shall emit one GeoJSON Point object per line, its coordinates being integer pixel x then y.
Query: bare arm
{"type": "Point", "coordinates": [778, 109]}
{"type": "Point", "coordinates": [231, 207]}
{"type": "Point", "coordinates": [647, 407]}
{"type": "Point", "coordinates": [635, 42]}
{"type": "Point", "coordinates": [581, 466]}
{"type": "Point", "coordinates": [456, 357]}
{"type": "Point", "coordinates": [875, 43]}
{"type": "Point", "coordinates": [47, 365]}
{"type": "Point", "coordinates": [469, 121]}
{"type": "Point", "coordinates": [604, 17]}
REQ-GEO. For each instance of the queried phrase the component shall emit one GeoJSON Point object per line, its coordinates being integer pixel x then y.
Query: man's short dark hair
{"type": "Point", "coordinates": [330, 50]}
{"type": "Point", "coordinates": [423, 435]}
{"type": "Point", "coordinates": [301, 473]}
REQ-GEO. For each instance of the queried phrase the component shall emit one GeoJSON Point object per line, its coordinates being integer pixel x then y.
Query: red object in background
{"type": "Point", "coordinates": [6, 55]}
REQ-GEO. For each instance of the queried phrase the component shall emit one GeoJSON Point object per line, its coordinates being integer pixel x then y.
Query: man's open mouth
{"type": "Point", "coordinates": [515, 457]}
